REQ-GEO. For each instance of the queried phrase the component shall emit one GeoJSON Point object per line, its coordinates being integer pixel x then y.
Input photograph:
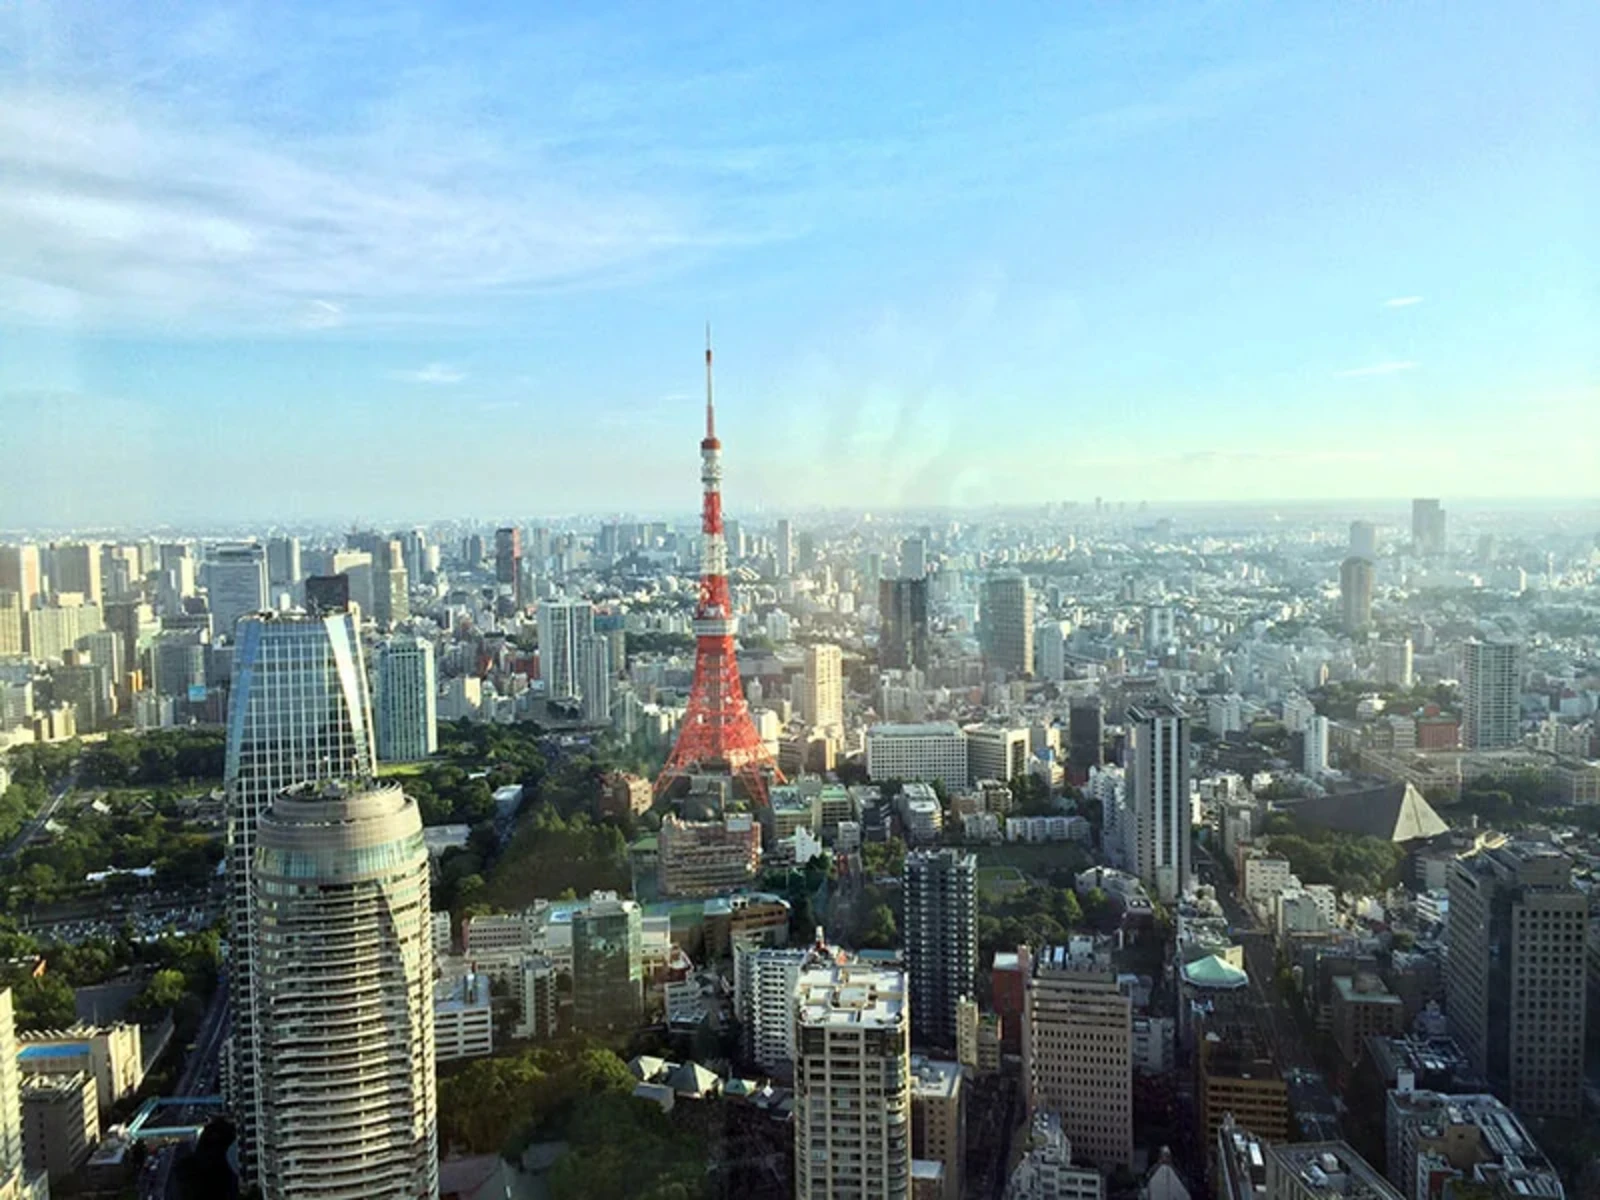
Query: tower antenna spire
{"type": "Point", "coordinates": [711, 412]}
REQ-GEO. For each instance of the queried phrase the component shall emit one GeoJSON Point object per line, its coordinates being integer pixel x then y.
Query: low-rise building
{"type": "Point", "coordinates": [463, 1018]}
{"type": "Point", "coordinates": [111, 1054]}
{"type": "Point", "coordinates": [1322, 1171]}
{"type": "Point", "coordinates": [1046, 1170]}
{"type": "Point", "coordinates": [1362, 1008]}
{"type": "Point", "coordinates": [1433, 1138]}
{"type": "Point", "coordinates": [939, 1119]}
{"type": "Point", "coordinates": [701, 858]}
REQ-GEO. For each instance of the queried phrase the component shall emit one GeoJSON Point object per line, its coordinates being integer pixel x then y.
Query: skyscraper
{"type": "Point", "coordinates": [1394, 663]}
{"type": "Point", "coordinates": [11, 1164]}
{"type": "Point", "coordinates": [903, 633]}
{"type": "Point", "coordinates": [405, 699]}
{"type": "Point", "coordinates": [10, 624]}
{"type": "Point", "coordinates": [563, 625]}
{"type": "Point", "coordinates": [941, 939]}
{"type": "Point", "coordinates": [21, 572]}
{"type": "Point", "coordinates": [1158, 795]}
{"type": "Point", "coordinates": [1085, 735]}
{"type": "Point", "coordinates": [236, 584]}
{"type": "Point", "coordinates": [508, 560]}
{"type": "Point", "coordinates": [1355, 594]}
{"type": "Point", "coordinates": [343, 996]}
{"type": "Point", "coordinates": [852, 1113]}
{"type": "Point", "coordinates": [283, 562]}
{"type": "Point", "coordinates": [594, 677]}
{"type": "Point", "coordinates": [1077, 1052]}
{"type": "Point", "coordinates": [1515, 974]}
{"type": "Point", "coordinates": [1363, 540]}
{"type": "Point", "coordinates": [75, 567]}
{"type": "Point", "coordinates": [607, 963]}
{"type": "Point", "coordinates": [299, 711]}
{"type": "Point", "coordinates": [785, 551]}
{"type": "Point", "coordinates": [1427, 527]}
{"type": "Point", "coordinates": [1006, 619]}
{"type": "Point", "coordinates": [1491, 694]}
{"type": "Point", "coordinates": [913, 558]}
{"type": "Point", "coordinates": [822, 700]}
{"type": "Point", "coordinates": [391, 586]}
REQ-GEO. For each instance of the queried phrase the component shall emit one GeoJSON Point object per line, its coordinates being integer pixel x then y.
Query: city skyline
{"type": "Point", "coordinates": [1217, 254]}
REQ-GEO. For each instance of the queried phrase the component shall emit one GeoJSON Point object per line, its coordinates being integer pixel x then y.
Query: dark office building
{"type": "Point", "coordinates": [1086, 727]}
{"type": "Point", "coordinates": [903, 640]}
{"type": "Point", "coordinates": [327, 594]}
{"type": "Point", "coordinates": [508, 560]}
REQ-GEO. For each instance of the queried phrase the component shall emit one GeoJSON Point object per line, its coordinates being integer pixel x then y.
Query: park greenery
{"type": "Point", "coordinates": [1351, 863]}
{"type": "Point", "coordinates": [580, 1093]}
{"type": "Point", "coordinates": [157, 758]}
{"type": "Point", "coordinates": [1337, 701]}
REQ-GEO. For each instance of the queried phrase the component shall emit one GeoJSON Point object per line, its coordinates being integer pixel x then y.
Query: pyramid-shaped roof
{"type": "Point", "coordinates": [1214, 971]}
{"type": "Point", "coordinates": [1395, 812]}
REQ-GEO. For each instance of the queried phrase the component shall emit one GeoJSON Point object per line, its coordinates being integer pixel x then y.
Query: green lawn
{"type": "Point", "coordinates": [999, 881]}
{"type": "Point", "coordinates": [1032, 858]}
{"type": "Point", "coordinates": [400, 770]}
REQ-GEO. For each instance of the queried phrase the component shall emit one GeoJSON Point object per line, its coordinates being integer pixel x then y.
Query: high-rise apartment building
{"type": "Point", "coordinates": [299, 712]}
{"type": "Point", "coordinates": [822, 698]}
{"type": "Point", "coordinates": [236, 584]}
{"type": "Point", "coordinates": [405, 699]}
{"type": "Point", "coordinates": [1077, 1051]}
{"type": "Point", "coordinates": [607, 963]}
{"type": "Point", "coordinates": [1314, 762]}
{"type": "Point", "coordinates": [1364, 540]}
{"type": "Point", "coordinates": [594, 677]}
{"type": "Point", "coordinates": [563, 625]}
{"type": "Point", "coordinates": [508, 561]}
{"type": "Point", "coordinates": [1356, 576]}
{"type": "Point", "coordinates": [903, 632]}
{"type": "Point", "coordinates": [1427, 527]}
{"type": "Point", "coordinates": [75, 567]}
{"type": "Point", "coordinates": [852, 1114]}
{"type": "Point", "coordinates": [10, 624]}
{"type": "Point", "coordinates": [22, 572]}
{"type": "Point", "coordinates": [1050, 651]}
{"type": "Point", "coordinates": [1515, 974]}
{"type": "Point", "coordinates": [764, 979]}
{"type": "Point", "coordinates": [941, 939]}
{"type": "Point", "coordinates": [342, 992]}
{"type": "Point", "coordinates": [1006, 620]}
{"type": "Point", "coordinates": [1394, 663]}
{"type": "Point", "coordinates": [1158, 797]}
{"type": "Point", "coordinates": [1491, 694]}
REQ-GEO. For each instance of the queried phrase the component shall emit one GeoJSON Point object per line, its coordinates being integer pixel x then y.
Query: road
{"type": "Point", "coordinates": [29, 831]}
{"type": "Point", "coordinates": [199, 1077]}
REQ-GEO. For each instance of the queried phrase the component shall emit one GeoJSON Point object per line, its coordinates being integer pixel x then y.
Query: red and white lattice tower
{"type": "Point", "coordinates": [717, 735]}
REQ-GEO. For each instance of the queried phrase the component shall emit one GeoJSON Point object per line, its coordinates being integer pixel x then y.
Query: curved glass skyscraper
{"type": "Point", "coordinates": [343, 994]}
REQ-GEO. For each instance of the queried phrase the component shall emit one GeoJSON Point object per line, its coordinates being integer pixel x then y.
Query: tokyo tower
{"type": "Point", "coordinates": [717, 735]}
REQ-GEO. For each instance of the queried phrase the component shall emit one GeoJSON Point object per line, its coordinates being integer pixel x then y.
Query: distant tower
{"type": "Point", "coordinates": [236, 584]}
{"type": "Point", "coordinates": [1491, 694]}
{"type": "Point", "coordinates": [717, 733]}
{"type": "Point", "coordinates": [1006, 619]}
{"type": "Point", "coordinates": [404, 699]}
{"type": "Point", "coordinates": [508, 560]}
{"type": "Point", "coordinates": [1158, 751]}
{"type": "Point", "coordinates": [1355, 593]}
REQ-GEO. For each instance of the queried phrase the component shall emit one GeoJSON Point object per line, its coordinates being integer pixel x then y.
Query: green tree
{"type": "Point", "coordinates": [880, 932]}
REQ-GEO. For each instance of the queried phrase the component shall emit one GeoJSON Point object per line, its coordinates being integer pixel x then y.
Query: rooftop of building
{"type": "Point", "coordinates": [919, 729]}
{"type": "Point", "coordinates": [934, 1078]}
{"type": "Point", "coordinates": [851, 995]}
{"type": "Point", "coordinates": [1364, 988]}
{"type": "Point", "coordinates": [1333, 1169]}
{"type": "Point", "coordinates": [54, 1086]}
{"type": "Point", "coordinates": [1079, 954]}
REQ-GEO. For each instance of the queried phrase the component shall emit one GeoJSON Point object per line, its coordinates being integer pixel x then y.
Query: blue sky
{"type": "Point", "coordinates": [300, 260]}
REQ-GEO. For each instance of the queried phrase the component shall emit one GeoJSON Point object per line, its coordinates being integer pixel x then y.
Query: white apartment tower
{"type": "Point", "coordinates": [1491, 694]}
{"type": "Point", "coordinates": [406, 699]}
{"type": "Point", "coordinates": [299, 712]}
{"type": "Point", "coordinates": [822, 701]}
{"type": "Point", "coordinates": [1158, 796]}
{"type": "Point", "coordinates": [563, 624]}
{"type": "Point", "coordinates": [852, 1084]}
{"type": "Point", "coordinates": [344, 997]}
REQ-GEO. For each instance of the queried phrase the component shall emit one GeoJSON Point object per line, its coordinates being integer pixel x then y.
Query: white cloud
{"type": "Point", "coordinates": [435, 373]}
{"type": "Point", "coordinates": [1402, 301]}
{"type": "Point", "coordinates": [1383, 368]}
{"type": "Point", "coordinates": [142, 216]}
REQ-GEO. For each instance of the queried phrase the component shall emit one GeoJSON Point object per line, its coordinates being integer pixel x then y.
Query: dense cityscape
{"type": "Point", "coordinates": [799, 602]}
{"type": "Point", "coordinates": [1088, 851]}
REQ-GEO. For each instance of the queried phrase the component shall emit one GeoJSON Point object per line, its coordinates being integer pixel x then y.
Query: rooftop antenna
{"type": "Point", "coordinates": [711, 416]}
